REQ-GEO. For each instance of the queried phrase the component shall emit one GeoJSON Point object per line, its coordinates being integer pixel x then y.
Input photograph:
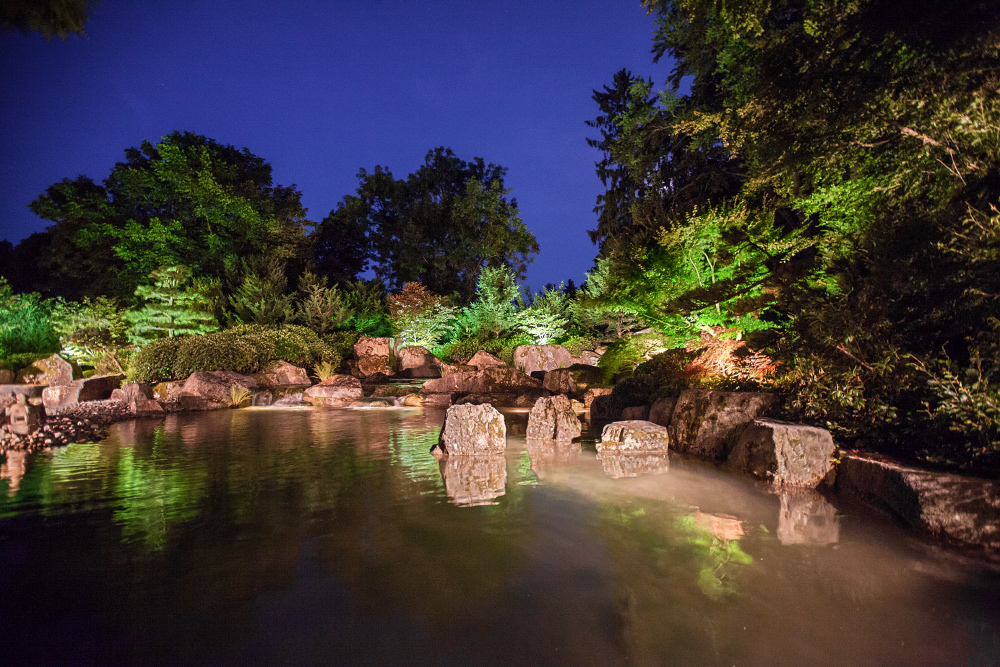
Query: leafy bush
{"type": "Point", "coordinates": [93, 332]}
{"type": "Point", "coordinates": [659, 377]}
{"type": "Point", "coordinates": [547, 317]}
{"type": "Point", "coordinates": [342, 342]}
{"type": "Point", "coordinates": [319, 307]}
{"type": "Point", "coordinates": [460, 351]}
{"type": "Point", "coordinates": [155, 362]}
{"type": "Point", "coordinates": [25, 326]}
{"type": "Point", "coordinates": [222, 351]}
{"type": "Point", "coordinates": [419, 317]}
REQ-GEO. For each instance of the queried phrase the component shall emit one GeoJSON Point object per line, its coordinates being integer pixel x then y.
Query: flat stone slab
{"type": "Point", "coordinates": [474, 429]}
{"type": "Point", "coordinates": [633, 436]}
{"type": "Point", "coordinates": [964, 511]}
{"type": "Point", "coordinates": [784, 454]}
{"type": "Point", "coordinates": [338, 391]}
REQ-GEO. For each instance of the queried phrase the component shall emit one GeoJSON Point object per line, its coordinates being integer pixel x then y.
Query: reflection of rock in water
{"type": "Point", "coordinates": [722, 526]}
{"type": "Point", "coordinates": [632, 465]}
{"type": "Point", "coordinates": [474, 480]}
{"type": "Point", "coordinates": [14, 468]}
{"type": "Point", "coordinates": [545, 455]}
{"type": "Point", "coordinates": [806, 518]}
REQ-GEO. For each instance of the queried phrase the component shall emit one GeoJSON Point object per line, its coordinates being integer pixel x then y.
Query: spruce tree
{"type": "Point", "coordinates": [171, 307]}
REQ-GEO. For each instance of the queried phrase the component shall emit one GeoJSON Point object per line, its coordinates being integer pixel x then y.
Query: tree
{"type": "Point", "coordinates": [170, 306]}
{"type": "Point", "coordinates": [92, 332]}
{"type": "Point", "coordinates": [186, 200]}
{"type": "Point", "coordinates": [49, 17]}
{"type": "Point", "coordinates": [440, 226]}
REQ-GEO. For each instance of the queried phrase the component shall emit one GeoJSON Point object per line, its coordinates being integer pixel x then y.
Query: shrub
{"type": "Point", "coordinates": [222, 351]}
{"type": "Point", "coordinates": [25, 325]}
{"type": "Point", "coordinates": [155, 362]}
{"type": "Point", "coordinates": [462, 350]}
{"type": "Point", "coordinates": [342, 342]}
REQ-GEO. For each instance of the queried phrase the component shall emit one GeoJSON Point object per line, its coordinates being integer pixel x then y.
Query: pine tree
{"type": "Point", "coordinates": [171, 306]}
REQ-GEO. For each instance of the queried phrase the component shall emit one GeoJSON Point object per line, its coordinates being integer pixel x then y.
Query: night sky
{"type": "Point", "coordinates": [321, 89]}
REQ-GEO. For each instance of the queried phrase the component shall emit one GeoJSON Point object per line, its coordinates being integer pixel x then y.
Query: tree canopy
{"type": "Point", "coordinates": [440, 226]}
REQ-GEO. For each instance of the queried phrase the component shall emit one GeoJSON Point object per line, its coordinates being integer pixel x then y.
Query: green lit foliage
{"type": "Point", "coordinates": [602, 304]}
{"type": "Point", "coordinates": [368, 302]}
{"type": "Point", "coordinates": [261, 296]}
{"type": "Point", "coordinates": [185, 200]}
{"type": "Point", "coordinates": [342, 342]}
{"type": "Point", "coordinates": [419, 317]}
{"type": "Point", "coordinates": [93, 332]}
{"type": "Point", "coordinates": [494, 311]}
{"type": "Point", "coordinates": [25, 324]}
{"type": "Point", "coordinates": [171, 307]}
{"type": "Point", "coordinates": [155, 362]}
{"type": "Point", "coordinates": [438, 227]}
{"type": "Point", "coordinates": [545, 319]}
{"type": "Point", "coordinates": [320, 307]}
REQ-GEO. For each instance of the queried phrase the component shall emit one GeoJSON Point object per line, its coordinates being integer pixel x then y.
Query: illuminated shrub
{"type": "Point", "coordinates": [155, 362]}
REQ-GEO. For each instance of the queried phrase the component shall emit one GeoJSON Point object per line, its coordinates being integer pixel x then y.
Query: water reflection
{"type": "Point", "coordinates": [617, 465]}
{"type": "Point", "coordinates": [546, 456]}
{"type": "Point", "coordinates": [807, 518]}
{"type": "Point", "coordinates": [474, 480]}
{"type": "Point", "coordinates": [13, 468]}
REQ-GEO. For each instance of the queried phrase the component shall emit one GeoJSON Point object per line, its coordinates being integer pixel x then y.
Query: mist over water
{"type": "Point", "coordinates": [302, 536]}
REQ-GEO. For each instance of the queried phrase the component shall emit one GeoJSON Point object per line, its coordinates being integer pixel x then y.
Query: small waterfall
{"type": "Point", "coordinates": [262, 398]}
{"type": "Point", "coordinates": [291, 399]}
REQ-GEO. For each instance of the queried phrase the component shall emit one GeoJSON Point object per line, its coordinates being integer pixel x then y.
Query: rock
{"type": "Point", "coordinates": [6, 376]}
{"type": "Point", "coordinates": [95, 388]}
{"type": "Point", "coordinates": [575, 379]}
{"type": "Point", "coordinates": [604, 408]}
{"type": "Point", "coordinates": [438, 400]}
{"type": "Point", "coordinates": [413, 401]}
{"type": "Point", "coordinates": [377, 378]}
{"type": "Point", "coordinates": [806, 518]}
{"type": "Point", "coordinates": [132, 391]}
{"type": "Point", "coordinates": [707, 422]}
{"type": "Point", "coordinates": [377, 403]}
{"type": "Point", "coordinates": [660, 411]}
{"type": "Point", "coordinates": [633, 436]}
{"type": "Point", "coordinates": [374, 355]}
{"type": "Point", "coordinates": [416, 361]}
{"type": "Point", "coordinates": [144, 407]}
{"type": "Point", "coordinates": [553, 418]}
{"type": "Point", "coordinates": [475, 480]}
{"type": "Point", "coordinates": [617, 465]}
{"type": "Point", "coordinates": [216, 386]}
{"type": "Point", "coordinates": [530, 358]}
{"type": "Point", "coordinates": [53, 371]}
{"type": "Point", "coordinates": [592, 393]}
{"type": "Point", "coordinates": [497, 380]}
{"type": "Point", "coordinates": [635, 412]}
{"type": "Point", "coordinates": [529, 397]}
{"type": "Point", "coordinates": [507, 400]}
{"type": "Point", "coordinates": [391, 390]}
{"type": "Point", "coordinates": [192, 403]}
{"type": "Point", "coordinates": [335, 392]}
{"type": "Point", "coordinates": [586, 358]}
{"type": "Point", "coordinates": [282, 374]}
{"type": "Point", "coordinates": [29, 390]}
{"type": "Point", "coordinates": [481, 360]}
{"type": "Point", "coordinates": [964, 511]}
{"type": "Point", "coordinates": [474, 429]}
{"type": "Point", "coordinates": [168, 391]}
{"type": "Point", "coordinates": [783, 454]}
{"type": "Point", "coordinates": [559, 381]}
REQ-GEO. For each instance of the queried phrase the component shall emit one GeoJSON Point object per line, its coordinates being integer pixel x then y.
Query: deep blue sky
{"type": "Point", "coordinates": [320, 89]}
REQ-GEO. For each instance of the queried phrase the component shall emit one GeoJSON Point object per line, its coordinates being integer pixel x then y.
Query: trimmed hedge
{"type": "Point", "coordinates": [243, 349]}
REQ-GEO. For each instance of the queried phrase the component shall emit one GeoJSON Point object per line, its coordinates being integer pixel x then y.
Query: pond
{"type": "Point", "coordinates": [309, 536]}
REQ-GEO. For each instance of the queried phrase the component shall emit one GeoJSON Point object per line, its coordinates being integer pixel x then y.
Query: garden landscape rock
{"type": "Point", "coordinates": [7, 376]}
{"type": "Point", "coordinates": [708, 422]}
{"type": "Point", "coordinates": [553, 418]}
{"type": "Point", "coordinates": [374, 355]}
{"type": "Point", "coordinates": [416, 361]}
{"type": "Point", "coordinates": [661, 410]}
{"type": "Point", "coordinates": [95, 388]}
{"type": "Point", "coordinates": [784, 454]}
{"type": "Point", "coordinates": [481, 360]}
{"type": "Point", "coordinates": [53, 371]}
{"type": "Point", "coordinates": [216, 386]}
{"type": "Point", "coordinates": [497, 380]}
{"type": "Point", "coordinates": [474, 430]}
{"type": "Point", "coordinates": [282, 374]}
{"type": "Point", "coordinates": [531, 358]}
{"type": "Point", "coordinates": [591, 394]}
{"type": "Point", "coordinates": [337, 391]}
{"type": "Point", "coordinates": [625, 437]}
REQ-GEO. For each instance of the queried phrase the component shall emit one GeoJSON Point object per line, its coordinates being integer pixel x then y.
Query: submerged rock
{"type": "Point", "coordinates": [553, 418]}
{"type": "Point", "coordinates": [784, 454]}
{"type": "Point", "coordinates": [335, 392]}
{"type": "Point", "coordinates": [707, 422]}
{"type": "Point", "coordinates": [474, 429]}
{"type": "Point", "coordinates": [633, 436]}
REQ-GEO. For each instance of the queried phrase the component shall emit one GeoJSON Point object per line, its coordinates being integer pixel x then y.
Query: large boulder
{"type": "Point", "coordinates": [531, 358]}
{"type": "Point", "coordinates": [168, 391]}
{"type": "Point", "coordinates": [132, 391]}
{"type": "Point", "coordinates": [416, 361]}
{"type": "Point", "coordinates": [474, 480]}
{"type": "Point", "coordinates": [635, 413]}
{"type": "Point", "coordinates": [96, 388]}
{"type": "Point", "coordinates": [587, 358]}
{"type": "Point", "coordinates": [707, 422]}
{"type": "Point", "coordinates": [604, 408]}
{"type": "Point", "coordinates": [575, 379]}
{"type": "Point", "coordinates": [282, 374]}
{"type": "Point", "coordinates": [500, 380]}
{"type": "Point", "coordinates": [784, 454]}
{"type": "Point", "coordinates": [437, 400]}
{"type": "Point", "coordinates": [553, 418]}
{"type": "Point", "coordinates": [481, 360]}
{"type": "Point", "coordinates": [374, 355]}
{"type": "Point", "coordinates": [53, 371]}
{"type": "Point", "coordinates": [592, 393]}
{"type": "Point", "coordinates": [661, 410]}
{"type": "Point", "coordinates": [632, 437]}
{"type": "Point", "coordinates": [216, 386]}
{"type": "Point", "coordinates": [335, 392]}
{"type": "Point", "coordinates": [953, 508]}
{"type": "Point", "coordinates": [474, 429]}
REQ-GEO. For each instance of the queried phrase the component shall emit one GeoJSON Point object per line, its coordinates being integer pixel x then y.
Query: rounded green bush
{"type": "Point", "coordinates": [155, 362]}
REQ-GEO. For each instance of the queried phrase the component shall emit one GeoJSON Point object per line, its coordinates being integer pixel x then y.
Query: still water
{"type": "Point", "coordinates": [301, 536]}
